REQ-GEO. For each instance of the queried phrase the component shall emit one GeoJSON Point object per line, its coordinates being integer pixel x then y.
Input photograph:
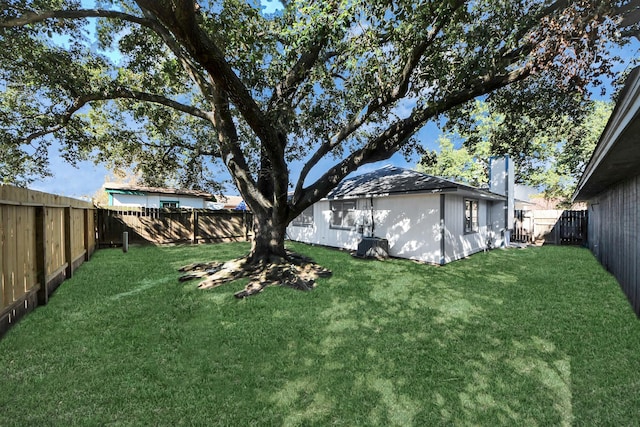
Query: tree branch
{"type": "Point", "coordinates": [189, 66]}
{"type": "Point", "coordinates": [507, 58]}
{"type": "Point", "coordinates": [399, 91]}
{"type": "Point", "coordinates": [285, 89]}
{"type": "Point", "coordinates": [232, 155]}
{"type": "Point", "coordinates": [179, 17]}
{"type": "Point", "coordinates": [445, 17]}
{"type": "Point", "coordinates": [118, 93]}
{"type": "Point", "coordinates": [148, 21]}
{"type": "Point", "coordinates": [390, 140]}
{"type": "Point", "coordinates": [35, 17]}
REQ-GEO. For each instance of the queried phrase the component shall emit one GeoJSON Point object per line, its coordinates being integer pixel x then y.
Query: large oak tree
{"type": "Point", "coordinates": [164, 83]}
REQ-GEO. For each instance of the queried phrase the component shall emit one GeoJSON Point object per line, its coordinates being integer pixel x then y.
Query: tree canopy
{"type": "Point", "coordinates": [162, 84]}
{"type": "Point", "coordinates": [549, 155]}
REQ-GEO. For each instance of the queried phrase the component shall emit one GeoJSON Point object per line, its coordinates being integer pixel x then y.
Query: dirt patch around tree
{"type": "Point", "coordinates": [294, 271]}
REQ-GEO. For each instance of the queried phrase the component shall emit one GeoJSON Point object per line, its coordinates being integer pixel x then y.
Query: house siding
{"type": "Point", "coordinates": [497, 220]}
{"type": "Point", "coordinates": [614, 218]}
{"type": "Point", "coordinates": [411, 223]}
{"type": "Point", "coordinates": [153, 200]}
{"type": "Point", "coordinates": [321, 233]}
{"type": "Point", "coordinates": [458, 244]}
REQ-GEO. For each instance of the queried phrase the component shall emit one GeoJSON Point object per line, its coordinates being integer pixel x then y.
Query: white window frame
{"type": "Point", "coordinates": [343, 214]}
{"type": "Point", "coordinates": [305, 219]}
{"type": "Point", "coordinates": [176, 202]}
{"type": "Point", "coordinates": [471, 212]}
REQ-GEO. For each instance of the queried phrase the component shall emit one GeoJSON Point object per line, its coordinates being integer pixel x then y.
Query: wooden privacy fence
{"type": "Point", "coordinates": [43, 239]}
{"type": "Point", "coordinates": [161, 226]}
{"type": "Point", "coordinates": [557, 227]}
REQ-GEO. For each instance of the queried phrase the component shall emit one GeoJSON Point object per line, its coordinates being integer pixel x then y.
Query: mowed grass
{"type": "Point", "coordinates": [541, 336]}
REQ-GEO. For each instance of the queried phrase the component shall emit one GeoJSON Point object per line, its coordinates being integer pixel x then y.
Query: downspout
{"type": "Point", "coordinates": [373, 224]}
{"type": "Point", "coordinates": [509, 193]}
{"type": "Point", "coordinates": [506, 211]}
{"type": "Point", "coordinates": [442, 231]}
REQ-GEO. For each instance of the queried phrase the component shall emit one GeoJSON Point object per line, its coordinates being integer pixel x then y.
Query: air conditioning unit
{"type": "Point", "coordinates": [373, 247]}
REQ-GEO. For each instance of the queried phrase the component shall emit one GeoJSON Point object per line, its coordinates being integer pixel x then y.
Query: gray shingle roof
{"type": "Point", "coordinates": [395, 180]}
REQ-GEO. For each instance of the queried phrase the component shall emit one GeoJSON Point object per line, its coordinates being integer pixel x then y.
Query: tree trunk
{"type": "Point", "coordinates": [267, 264]}
{"type": "Point", "coordinates": [268, 241]}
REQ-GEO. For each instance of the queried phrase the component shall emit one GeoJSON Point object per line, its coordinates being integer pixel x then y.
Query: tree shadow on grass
{"type": "Point", "coordinates": [422, 346]}
{"type": "Point", "coordinates": [379, 343]}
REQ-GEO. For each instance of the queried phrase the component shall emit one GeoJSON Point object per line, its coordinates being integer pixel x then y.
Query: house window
{"type": "Point", "coordinates": [343, 214]}
{"type": "Point", "coordinates": [470, 216]}
{"type": "Point", "coordinates": [169, 204]}
{"type": "Point", "coordinates": [305, 219]}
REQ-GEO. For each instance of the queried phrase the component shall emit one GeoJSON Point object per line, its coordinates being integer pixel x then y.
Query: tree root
{"type": "Point", "coordinates": [295, 271]}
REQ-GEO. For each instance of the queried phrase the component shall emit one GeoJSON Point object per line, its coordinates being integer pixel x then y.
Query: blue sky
{"type": "Point", "coordinates": [85, 180]}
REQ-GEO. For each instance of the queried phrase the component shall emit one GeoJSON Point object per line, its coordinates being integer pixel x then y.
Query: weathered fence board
{"type": "Point", "coordinates": [162, 226]}
{"type": "Point", "coordinates": [43, 238]}
{"type": "Point", "coordinates": [558, 227]}
{"type": "Point", "coordinates": [615, 235]}
{"type": "Point", "coordinates": [571, 228]}
{"type": "Point", "coordinates": [54, 237]}
{"type": "Point", "coordinates": [223, 226]}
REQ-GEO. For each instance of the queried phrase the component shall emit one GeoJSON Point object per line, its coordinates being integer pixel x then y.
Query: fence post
{"type": "Point", "coordinates": [68, 241]}
{"type": "Point", "coordinates": [125, 241]}
{"type": "Point", "coordinates": [194, 225]}
{"type": "Point", "coordinates": [87, 230]}
{"type": "Point", "coordinates": [41, 254]}
{"type": "Point", "coordinates": [99, 218]}
{"type": "Point", "coordinates": [3, 240]}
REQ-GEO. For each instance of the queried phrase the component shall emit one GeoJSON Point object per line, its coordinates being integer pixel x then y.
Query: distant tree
{"type": "Point", "coordinates": [350, 81]}
{"type": "Point", "coordinates": [463, 157]}
{"type": "Point", "coordinates": [575, 151]}
{"type": "Point", "coordinates": [549, 157]}
{"type": "Point", "coordinates": [458, 164]}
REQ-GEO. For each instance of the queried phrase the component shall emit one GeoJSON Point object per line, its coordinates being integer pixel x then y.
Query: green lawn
{"type": "Point", "coordinates": [541, 336]}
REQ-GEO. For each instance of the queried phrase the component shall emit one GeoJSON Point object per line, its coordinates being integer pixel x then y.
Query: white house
{"type": "Point", "coordinates": [153, 197]}
{"type": "Point", "coordinates": [422, 217]}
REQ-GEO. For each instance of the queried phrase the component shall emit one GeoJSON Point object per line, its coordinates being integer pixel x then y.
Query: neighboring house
{"type": "Point", "coordinates": [610, 185]}
{"type": "Point", "coordinates": [422, 217]}
{"type": "Point", "coordinates": [153, 197]}
{"type": "Point", "coordinates": [231, 202]}
{"type": "Point", "coordinates": [525, 196]}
